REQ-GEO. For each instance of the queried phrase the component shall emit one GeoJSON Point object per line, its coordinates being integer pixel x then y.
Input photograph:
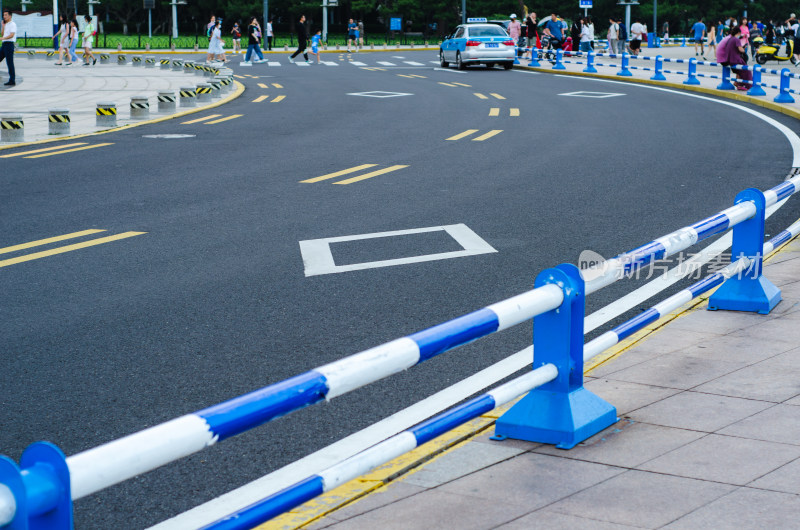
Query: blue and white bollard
{"type": "Point", "coordinates": [683, 44]}
{"type": "Point", "coordinates": [726, 79]}
{"type": "Point", "coordinates": [750, 290]}
{"type": "Point", "coordinates": [692, 79]}
{"type": "Point", "coordinates": [590, 69]}
{"type": "Point", "coordinates": [756, 89]}
{"type": "Point", "coordinates": [516, 54]}
{"type": "Point", "coordinates": [659, 68]}
{"type": "Point", "coordinates": [624, 71]}
{"type": "Point", "coordinates": [783, 96]}
{"type": "Point", "coordinates": [559, 61]}
{"type": "Point", "coordinates": [534, 58]}
{"type": "Point", "coordinates": [561, 412]}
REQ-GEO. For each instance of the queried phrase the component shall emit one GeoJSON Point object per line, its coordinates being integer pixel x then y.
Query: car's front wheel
{"type": "Point", "coordinates": [489, 65]}
{"type": "Point", "coordinates": [442, 62]}
{"type": "Point", "coordinates": [507, 65]}
{"type": "Point", "coordinates": [459, 63]}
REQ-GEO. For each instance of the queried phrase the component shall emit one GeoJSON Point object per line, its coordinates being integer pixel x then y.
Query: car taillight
{"type": "Point", "coordinates": [508, 42]}
{"type": "Point", "coordinates": [473, 43]}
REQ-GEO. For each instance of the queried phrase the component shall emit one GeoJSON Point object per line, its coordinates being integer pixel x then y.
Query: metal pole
{"type": "Point", "coordinates": [91, 10]}
{"type": "Point", "coordinates": [55, 17]}
{"type": "Point", "coordinates": [174, 19]}
{"type": "Point", "coordinates": [628, 19]}
{"type": "Point", "coordinates": [655, 19]}
{"type": "Point", "coordinates": [463, 11]}
{"type": "Point", "coordinates": [266, 21]}
{"type": "Point", "coordinates": [324, 20]}
{"type": "Point", "coordinates": [149, 24]}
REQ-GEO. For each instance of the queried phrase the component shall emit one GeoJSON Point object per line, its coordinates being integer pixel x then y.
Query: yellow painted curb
{"type": "Point", "coordinates": [236, 93]}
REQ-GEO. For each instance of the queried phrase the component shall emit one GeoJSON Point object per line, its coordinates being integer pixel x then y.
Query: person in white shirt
{"type": "Point", "coordinates": [612, 35]}
{"type": "Point", "coordinates": [637, 29]}
{"type": "Point", "coordinates": [7, 48]}
{"type": "Point", "coordinates": [270, 35]}
{"type": "Point", "coordinates": [587, 34]}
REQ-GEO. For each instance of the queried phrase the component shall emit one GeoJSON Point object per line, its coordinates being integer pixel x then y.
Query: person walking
{"type": "Point", "coordinates": [88, 41]}
{"type": "Point", "coordinates": [623, 37]}
{"type": "Point", "coordinates": [315, 44]}
{"type": "Point", "coordinates": [665, 31]}
{"type": "Point", "coordinates": [209, 31]}
{"type": "Point", "coordinates": [361, 34]}
{"type": "Point", "coordinates": [63, 38]}
{"type": "Point", "coordinates": [587, 34]}
{"type": "Point", "coordinates": [302, 40]}
{"type": "Point", "coordinates": [237, 38]}
{"type": "Point", "coordinates": [699, 31]}
{"type": "Point", "coordinates": [73, 40]}
{"type": "Point", "coordinates": [531, 33]}
{"type": "Point", "coordinates": [637, 29]}
{"type": "Point", "coordinates": [270, 35]}
{"type": "Point", "coordinates": [612, 35]}
{"type": "Point", "coordinates": [575, 32]}
{"type": "Point", "coordinates": [253, 40]}
{"type": "Point", "coordinates": [712, 40]}
{"type": "Point", "coordinates": [514, 29]}
{"type": "Point", "coordinates": [745, 36]}
{"type": "Point", "coordinates": [216, 49]}
{"type": "Point", "coordinates": [9, 40]}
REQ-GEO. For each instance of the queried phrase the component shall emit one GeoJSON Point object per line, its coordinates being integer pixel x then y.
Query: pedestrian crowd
{"type": "Point", "coordinates": [68, 36]}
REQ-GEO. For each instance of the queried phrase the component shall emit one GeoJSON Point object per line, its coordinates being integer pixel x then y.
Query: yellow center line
{"type": "Point", "coordinates": [403, 75]}
{"type": "Point", "coordinates": [514, 112]}
{"type": "Point", "coordinates": [39, 242]}
{"type": "Point", "coordinates": [498, 96]}
{"type": "Point", "coordinates": [494, 111]}
{"type": "Point", "coordinates": [68, 248]}
{"type": "Point", "coordinates": [420, 76]}
{"type": "Point", "coordinates": [463, 134]}
{"type": "Point", "coordinates": [370, 175]}
{"type": "Point", "coordinates": [238, 76]}
{"type": "Point", "coordinates": [277, 99]}
{"type": "Point", "coordinates": [487, 135]}
{"type": "Point", "coordinates": [262, 85]}
{"type": "Point", "coordinates": [69, 150]}
{"type": "Point", "coordinates": [259, 99]}
{"type": "Point", "coordinates": [198, 120]}
{"type": "Point", "coordinates": [445, 84]}
{"type": "Point", "coordinates": [233, 117]}
{"type": "Point", "coordinates": [481, 95]}
{"type": "Point", "coordinates": [276, 85]}
{"type": "Point", "coordinates": [339, 173]}
{"type": "Point", "coordinates": [462, 84]}
{"type": "Point", "coordinates": [63, 146]}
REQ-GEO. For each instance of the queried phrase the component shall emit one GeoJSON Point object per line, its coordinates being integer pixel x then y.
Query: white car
{"type": "Point", "coordinates": [487, 44]}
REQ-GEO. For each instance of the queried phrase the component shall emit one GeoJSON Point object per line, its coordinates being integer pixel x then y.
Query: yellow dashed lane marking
{"type": "Point", "coordinates": [63, 146]}
{"type": "Point", "coordinates": [445, 84]}
{"type": "Point", "coordinates": [370, 175]}
{"type": "Point", "coordinates": [463, 134]}
{"type": "Point", "coordinates": [514, 112]}
{"type": "Point", "coordinates": [259, 99]}
{"type": "Point", "coordinates": [68, 248]}
{"type": "Point", "coordinates": [277, 99]}
{"type": "Point", "coordinates": [198, 120]}
{"type": "Point", "coordinates": [40, 242]}
{"type": "Point", "coordinates": [481, 96]}
{"type": "Point", "coordinates": [276, 85]}
{"type": "Point", "coordinates": [494, 111]}
{"type": "Point", "coordinates": [69, 150]}
{"type": "Point", "coordinates": [233, 117]}
{"type": "Point", "coordinates": [339, 173]}
{"type": "Point", "coordinates": [498, 96]}
{"type": "Point", "coordinates": [488, 135]}
{"type": "Point", "coordinates": [263, 85]}
{"type": "Point", "coordinates": [462, 84]}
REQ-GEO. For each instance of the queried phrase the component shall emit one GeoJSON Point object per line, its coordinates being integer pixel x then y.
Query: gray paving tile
{"type": "Point", "coordinates": [794, 401]}
{"type": "Point", "coordinates": [744, 509]}
{"type": "Point", "coordinates": [699, 412]}
{"type": "Point", "coordinates": [780, 423]}
{"type": "Point", "coordinates": [786, 478]}
{"type": "Point", "coordinates": [543, 520]}
{"type": "Point", "coordinates": [393, 492]}
{"type": "Point", "coordinates": [531, 480]}
{"type": "Point", "coordinates": [737, 349]}
{"type": "Point", "coordinates": [319, 524]}
{"type": "Point", "coordinates": [724, 459]}
{"type": "Point", "coordinates": [626, 359]}
{"type": "Point", "coordinates": [465, 460]}
{"type": "Point", "coordinates": [772, 329]}
{"type": "Point", "coordinates": [626, 396]}
{"type": "Point", "coordinates": [523, 445]}
{"type": "Point", "coordinates": [436, 509]}
{"type": "Point", "coordinates": [768, 381]}
{"type": "Point", "coordinates": [669, 339]}
{"type": "Point", "coordinates": [627, 444]}
{"type": "Point", "coordinates": [676, 371]}
{"type": "Point", "coordinates": [716, 322]}
{"type": "Point", "coordinates": [637, 498]}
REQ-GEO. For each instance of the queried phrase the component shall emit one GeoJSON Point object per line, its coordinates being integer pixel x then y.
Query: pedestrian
{"type": "Point", "coordinates": [73, 42]}
{"type": "Point", "coordinates": [88, 41]}
{"type": "Point", "coordinates": [253, 40]}
{"type": "Point", "coordinates": [270, 35]}
{"type": "Point", "coordinates": [216, 48]}
{"type": "Point", "coordinates": [237, 38]}
{"type": "Point", "coordinates": [731, 52]}
{"type": "Point", "coordinates": [209, 31]}
{"type": "Point", "coordinates": [63, 39]}
{"type": "Point", "coordinates": [7, 48]}
{"type": "Point", "coordinates": [302, 40]}
{"type": "Point", "coordinates": [712, 41]}
{"type": "Point", "coordinates": [623, 36]}
{"type": "Point", "coordinates": [587, 34]}
{"type": "Point", "coordinates": [575, 31]}
{"type": "Point", "coordinates": [745, 36]}
{"type": "Point", "coordinates": [352, 39]}
{"type": "Point", "coordinates": [531, 33]}
{"type": "Point", "coordinates": [665, 31]}
{"type": "Point", "coordinates": [361, 34]}
{"type": "Point", "coordinates": [769, 32]}
{"type": "Point", "coordinates": [514, 29]}
{"type": "Point", "coordinates": [699, 32]}
{"type": "Point", "coordinates": [637, 29]}
{"type": "Point", "coordinates": [720, 31]}
{"type": "Point", "coordinates": [315, 44]}
{"type": "Point", "coordinates": [612, 35]}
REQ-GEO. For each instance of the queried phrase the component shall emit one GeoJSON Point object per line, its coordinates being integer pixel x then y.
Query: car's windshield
{"type": "Point", "coordinates": [487, 31]}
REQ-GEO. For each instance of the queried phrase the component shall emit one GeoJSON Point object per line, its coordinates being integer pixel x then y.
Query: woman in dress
{"type": "Point", "coordinates": [63, 39]}
{"type": "Point", "coordinates": [215, 47]}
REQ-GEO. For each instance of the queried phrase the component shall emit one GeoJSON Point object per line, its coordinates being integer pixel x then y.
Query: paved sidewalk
{"type": "Point", "coordinates": [708, 437]}
{"type": "Point", "coordinates": [41, 85]}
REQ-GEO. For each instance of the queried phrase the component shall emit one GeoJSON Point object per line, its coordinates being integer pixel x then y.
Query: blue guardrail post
{"type": "Point", "coordinates": [41, 488]}
{"type": "Point", "coordinates": [590, 69]}
{"type": "Point", "coordinates": [561, 412]}
{"type": "Point", "coordinates": [749, 290]}
{"type": "Point", "coordinates": [559, 60]}
{"type": "Point", "coordinates": [659, 69]}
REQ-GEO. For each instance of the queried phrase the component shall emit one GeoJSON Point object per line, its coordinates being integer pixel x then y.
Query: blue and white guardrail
{"type": "Point", "coordinates": [39, 492]}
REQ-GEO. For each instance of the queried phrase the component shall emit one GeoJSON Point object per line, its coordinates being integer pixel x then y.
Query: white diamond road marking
{"type": "Point", "coordinates": [379, 94]}
{"type": "Point", "coordinates": [357, 63]}
{"type": "Point", "coordinates": [592, 94]}
{"type": "Point", "coordinates": [412, 63]}
{"type": "Point", "coordinates": [318, 259]}
{"type": "Point", "coordinates": [273, 63]}
{"type": "Point", "coordinates": [386, 63]}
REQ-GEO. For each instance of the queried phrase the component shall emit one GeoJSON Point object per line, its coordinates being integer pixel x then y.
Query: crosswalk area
{"type": "Point", "coordinates": [300, 62]}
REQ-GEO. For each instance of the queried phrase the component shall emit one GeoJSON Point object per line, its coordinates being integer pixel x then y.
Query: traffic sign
{"type": "Point", "coordinates": [476, 20]}
{"type": "Point", "coordinates": [585, 4]}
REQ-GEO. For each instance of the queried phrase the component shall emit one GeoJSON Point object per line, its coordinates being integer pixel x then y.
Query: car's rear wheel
{"type": "Point", "coordinates": [489, 65]}
{"type": "Point", "coordinates": [507, 65]}
{"type": "Point", "coordinates": [442, 62]}
{"type": "Point", "coordinates": [459, 63]}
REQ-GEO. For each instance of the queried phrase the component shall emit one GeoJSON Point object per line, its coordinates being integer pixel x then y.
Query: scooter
{"type": "Point", "coordinates": [769, 52]}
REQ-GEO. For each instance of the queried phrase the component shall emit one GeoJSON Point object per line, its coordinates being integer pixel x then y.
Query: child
{"type": "Point", "coordinates": [315, 44]}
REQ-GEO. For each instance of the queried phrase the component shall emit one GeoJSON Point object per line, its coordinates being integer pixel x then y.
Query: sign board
{"type": "Point", "coordinates": [585, 4]}
{"type": "Point", "coordinates": [396, 24]}
{"type": "Point", "coordinates": [478, 20]}
{"type": "Point", "coordinates": [34, 25]}
{"type": "Point", "coordinates": [333, 3]}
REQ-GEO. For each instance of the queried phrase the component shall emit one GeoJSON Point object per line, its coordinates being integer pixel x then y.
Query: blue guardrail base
{"type": "Point", "coordinates": [563, 419]}
{"type": "Point", "coordinates": [757, 295]}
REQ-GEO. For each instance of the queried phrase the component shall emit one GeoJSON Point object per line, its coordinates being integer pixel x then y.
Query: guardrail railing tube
{"type": "Point", "coordinates": [561, 412]}
{"type": "Point", "coordinates": [749, 291]}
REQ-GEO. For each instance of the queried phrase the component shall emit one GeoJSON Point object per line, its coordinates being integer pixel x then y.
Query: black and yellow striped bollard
{"type": "Point", "coordinates": [12, 128]}
{"type": "Point", "coordinates": [121, 60]}
{"type": "Point", "coordinates": [224, 82]}
{"type": "Point", "coordinates": [188, 67]}
{"type": "Point", "coordinates": [49, 55]}
{"type": "Point", "coordinates": [58, 121]}
{"type": "Point", "coordinates": [188, 96]}
{"type": "Point", "coordinates": [164, 64]}
{"type": "Point", "coordinates": [104, 57]}
{"type": "Point", "coordinates": [106, 115]}
{"type": "Point", "coordinates": [140, 107]}
{"type": "Point", "coordinates": [149, 62]}
{"type": "Point", "coordinates": [166, 100]}
{"type": "Point", "coordinates": [203, 93]}
{"type": "Point", "coordinates": [177, 64]}
{"type": "Point", "coordinates": [31, 54]}
{"type": "Point", "coordinates": [216, 89]}
{"type": "Point", "coordinates": [199, 69]}
{"type": "Point", "coordinates": [137, 61]}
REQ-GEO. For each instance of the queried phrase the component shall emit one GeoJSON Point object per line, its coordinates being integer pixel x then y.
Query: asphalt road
{"type": "Point", "coordinates": [212, 300]}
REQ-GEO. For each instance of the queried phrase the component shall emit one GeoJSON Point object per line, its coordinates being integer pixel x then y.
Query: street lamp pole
{"type": "Point", "coordinates": [463, 11]}
{"type": "Point", "coordinates": [175, 4]}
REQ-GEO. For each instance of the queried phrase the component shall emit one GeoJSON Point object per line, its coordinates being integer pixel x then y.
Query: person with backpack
{"type": "Point", "coordinates": [622, 35]}
{"type": "Point", "coordinates": [253, 40]}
